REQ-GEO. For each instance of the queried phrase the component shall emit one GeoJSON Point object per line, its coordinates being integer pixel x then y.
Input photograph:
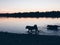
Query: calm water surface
{"type": "Point", "coordinates": [17, 25]}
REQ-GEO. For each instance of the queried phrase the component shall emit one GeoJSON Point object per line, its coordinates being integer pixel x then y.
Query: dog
{"type": "Point", "coordinates": [31, 28]}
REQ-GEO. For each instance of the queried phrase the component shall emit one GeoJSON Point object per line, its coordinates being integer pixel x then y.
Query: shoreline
{"type": "Point", "coordinates": [27, 39]}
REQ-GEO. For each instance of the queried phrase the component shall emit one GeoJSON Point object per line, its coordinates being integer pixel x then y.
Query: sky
{"type": "Point", "coordinates": [12, 6]}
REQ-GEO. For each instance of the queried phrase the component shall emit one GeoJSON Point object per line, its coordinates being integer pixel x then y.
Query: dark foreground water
{"type": "Point", "coordinates": [17, 25]}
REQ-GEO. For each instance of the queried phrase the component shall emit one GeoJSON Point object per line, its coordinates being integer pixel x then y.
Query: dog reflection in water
{"type": "Point", "coordinates": [32, 29]}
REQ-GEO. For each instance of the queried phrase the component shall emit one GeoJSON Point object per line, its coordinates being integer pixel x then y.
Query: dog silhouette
{"type": "Point", "coordinates": [31, 28]}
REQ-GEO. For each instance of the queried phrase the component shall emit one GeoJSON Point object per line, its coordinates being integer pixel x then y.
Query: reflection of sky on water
{"type": "Point", "coordinates": [17, 25]}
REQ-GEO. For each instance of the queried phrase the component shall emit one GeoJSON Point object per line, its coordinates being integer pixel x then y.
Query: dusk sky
{"type": "Point", "coordinates": [11, 6]}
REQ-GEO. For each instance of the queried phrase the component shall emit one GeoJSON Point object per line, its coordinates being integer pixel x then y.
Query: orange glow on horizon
{"type": "Point", "coordinates": [25, 10]}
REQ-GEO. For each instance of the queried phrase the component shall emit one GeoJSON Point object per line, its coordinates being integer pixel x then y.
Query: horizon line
{"type": "Point", "coordinates": [28, 12]}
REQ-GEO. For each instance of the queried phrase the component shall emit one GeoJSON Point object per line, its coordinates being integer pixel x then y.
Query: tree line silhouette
{"type": "Point", "coordinates": [32, 14]}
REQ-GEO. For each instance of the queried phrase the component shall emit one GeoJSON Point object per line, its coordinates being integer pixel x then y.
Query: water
{"type": "Point", "coordinates": [17, 25]}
